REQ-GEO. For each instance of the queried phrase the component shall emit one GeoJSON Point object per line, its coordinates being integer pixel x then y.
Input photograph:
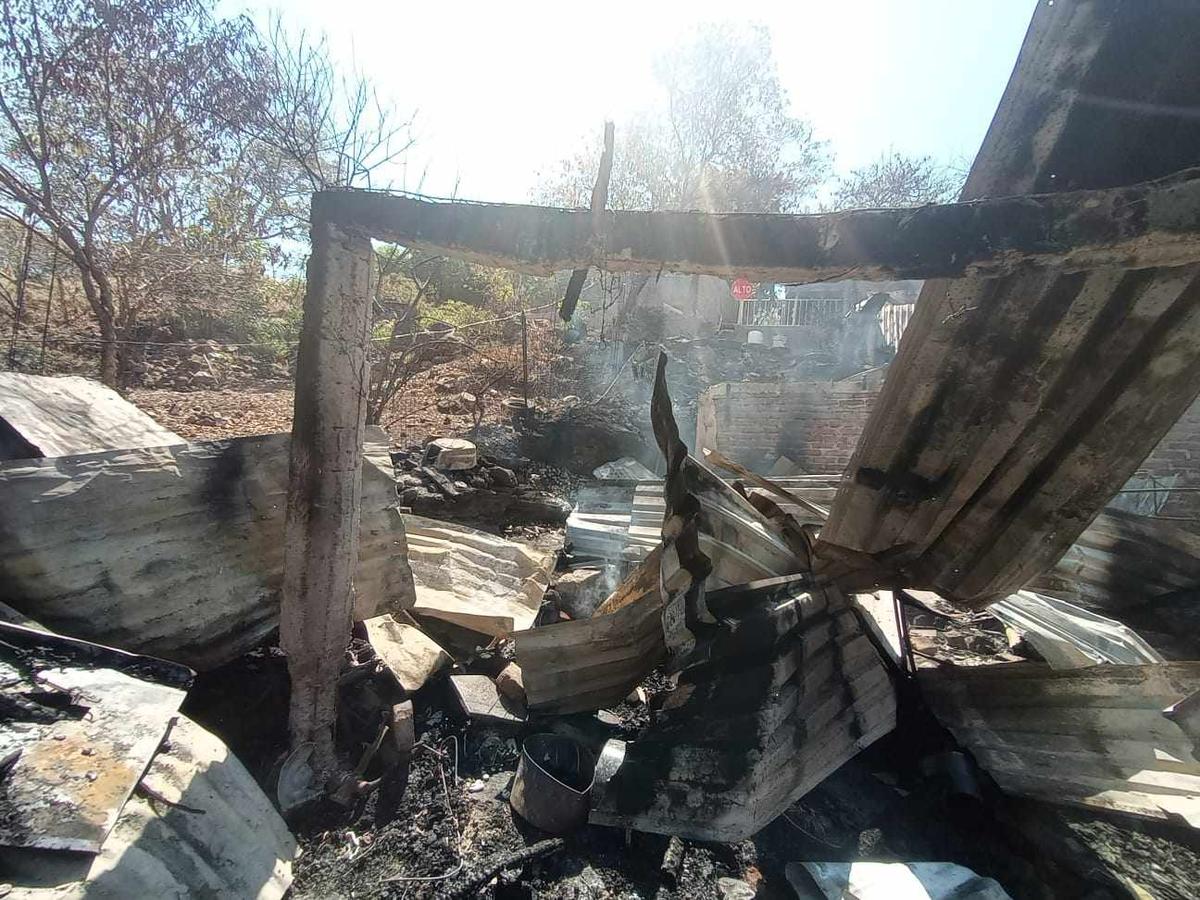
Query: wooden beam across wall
{"type": "Point", "coordinates": [1154, 224]}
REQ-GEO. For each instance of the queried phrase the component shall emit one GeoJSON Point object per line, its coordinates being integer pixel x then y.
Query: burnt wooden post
{"type": "Point", "coordinates": [325, 476]}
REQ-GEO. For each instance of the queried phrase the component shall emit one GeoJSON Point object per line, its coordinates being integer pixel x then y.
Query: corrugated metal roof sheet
{"type": "Point", "coordinates": [176, 551]}
{"type": "Point", "coordinates": [1017, 406]}
{"type": "Point", "coordinates": [474, 579]}
{"type": "Point", "coordinates": [1093, 737]}
{"type": "Point", "coordinates": [66, 415]}
{"type": "Point", "coordinates": [238, 846]}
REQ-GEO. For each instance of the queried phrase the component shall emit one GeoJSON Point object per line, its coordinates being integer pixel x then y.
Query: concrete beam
{"type": "Point", "coordinates": [1154, 224]}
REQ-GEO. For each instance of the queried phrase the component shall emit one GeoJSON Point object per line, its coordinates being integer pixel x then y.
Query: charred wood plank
{"type": "Point", "coordinates": [599, 201]}
{"type": "Point", "coordinates": [1152, 224]}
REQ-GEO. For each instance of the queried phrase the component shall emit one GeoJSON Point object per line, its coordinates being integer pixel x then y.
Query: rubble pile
{"type": "Point", "coordinates": [464, 485]}
{"type": "Point", "coordinates": [732, 687]}
{"type": "Point", "coordinates": [495, 693]}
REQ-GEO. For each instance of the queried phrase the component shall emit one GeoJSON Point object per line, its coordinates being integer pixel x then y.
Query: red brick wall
{"type": "Point", "coordinates": [815, 424]}
{"type": "Point", "coordinates": [1178, 454]}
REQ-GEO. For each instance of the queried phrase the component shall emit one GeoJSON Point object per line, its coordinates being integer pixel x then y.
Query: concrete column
{"type": "Point", "coordinates": [325, 478]}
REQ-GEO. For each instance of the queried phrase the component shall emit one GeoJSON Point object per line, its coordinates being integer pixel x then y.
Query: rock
{"type": "Point", "coordinates": [452, 454]}
{"type": "Point", "coordinates": [502, 477]}
{"type": "Point", "coordinates": [580, 591]}
{"type": "Point", "coordinates": [204, 378]}
{"type": "Point", "coordinates": [510, 683]}
{"type": "Point", "coordinates": [476, 786]}
{"type": "Point", "coordinates": [538, 506]}
{"type": "Point", "coordinates": [482, 703]}
{"type": "Point", "coordinates": [734, 889]}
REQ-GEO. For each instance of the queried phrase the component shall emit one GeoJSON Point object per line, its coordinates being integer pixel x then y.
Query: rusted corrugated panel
{"type": "Point", "coordinates": [81, 724]}
{"type": "Point", "coordinates": [1093, 737]}
{"type": "Point", "coordinates": [783, 689]}
{"type": "Point", "coordinates": [63, 416]}
{"type": "Point", "coordinates": [224, 840]}
{"type": "Point", "coordinates": [587, 664]}
{"type": "Point", "coordinates": [176, 551]}
{"type": "Point", "coordinates": [593, 663]}
{"type": "Point", "coordinates": [626, 524]}
{"type": "Point", "coordinates": [1016, 407]}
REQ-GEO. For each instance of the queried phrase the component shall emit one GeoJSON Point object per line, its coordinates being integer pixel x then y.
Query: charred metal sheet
{"type": "Point", "coordinates": [592, 663]}
{"type": "Point", "coordinates": [85, 721]}
{"type": "Point", "coordinates": [176, 551]}
{"type": "Point", "coordinates": [1017, 406]}
{"type": "Point", "coordinates": [221, 838]}
{"type": "Point", "coordinates": [711, 537]}
{"type": "Point", "coordinates": [1122, 561]}
{"type": "Point", "coordinates": [43, 416]}
{"type": "Point", "coordinates": [777, 491]}
{"type": "Point", "coordinates": [781, 690]}
{"type": "Point", "coordinates": [1094, 737]}
{"type": "Point", "coordinates": [620, 524]}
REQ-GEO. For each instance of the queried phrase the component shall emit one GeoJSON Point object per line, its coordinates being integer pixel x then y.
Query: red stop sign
{"type": "Point", "coordinates": [742, 289]}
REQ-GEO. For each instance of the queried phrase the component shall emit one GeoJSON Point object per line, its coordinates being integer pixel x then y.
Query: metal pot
{"type": "Point", "coordinates": [553, 786]}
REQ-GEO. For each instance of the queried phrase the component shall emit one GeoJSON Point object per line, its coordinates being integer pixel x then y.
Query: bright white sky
{"type": "Point", "coordinates": [502, 90]}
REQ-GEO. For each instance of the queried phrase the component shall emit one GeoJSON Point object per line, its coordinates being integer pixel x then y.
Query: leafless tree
{"type": "Point", "coordinates": [724, 141]}
{"type": "Point", "coordinates": [100, 102]}
{"type": "Point", "coordinates": [407, 350]}
{"type": "Point", "coordinates": [334, 125]}
{"type": "Point", "coordinates": [895, 180]}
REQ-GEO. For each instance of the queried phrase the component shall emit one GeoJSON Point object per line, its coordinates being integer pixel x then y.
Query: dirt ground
{"type": "Point", "coordinates": [430, 406]}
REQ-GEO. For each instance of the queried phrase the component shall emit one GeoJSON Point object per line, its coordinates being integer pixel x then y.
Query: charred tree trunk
{"type": "Point", "coordinates": [325, 479]}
